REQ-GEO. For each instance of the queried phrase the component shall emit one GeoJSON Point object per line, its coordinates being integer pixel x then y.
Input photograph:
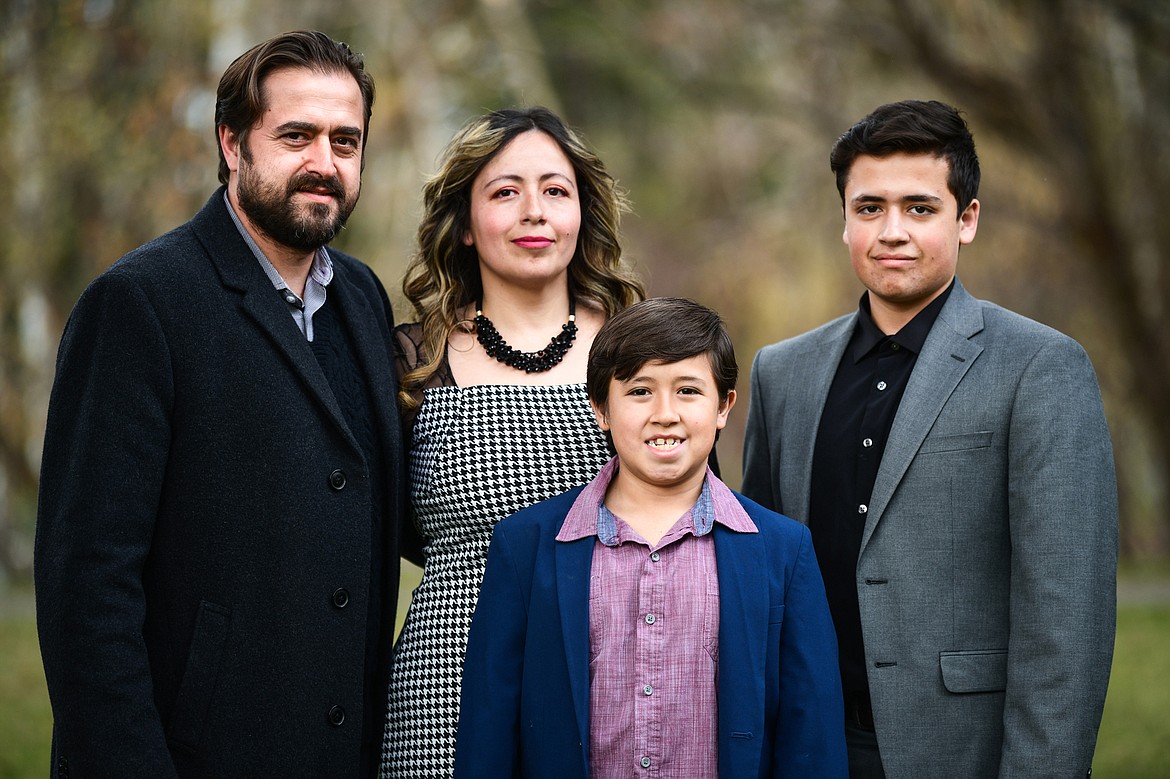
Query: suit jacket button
{"type": "Point", "coordinates": [337, 479]}
{"type": "Point", "coordinates": [336, 716]}
{"type": "Point", "coordinates": [341, 597]}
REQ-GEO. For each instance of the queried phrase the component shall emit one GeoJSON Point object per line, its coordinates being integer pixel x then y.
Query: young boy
{"type": "Point", "coordinates": [653, 623]}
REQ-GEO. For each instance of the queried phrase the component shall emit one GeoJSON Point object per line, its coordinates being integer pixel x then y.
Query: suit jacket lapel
{"type": "Point", "coordinates": [812, 374]}
{"type": "Point", "coordinates": [743, 636]}
{"type": "Point", "coordinates": [240, 271]}
{"type": "Point", "coordinates": [574, 559]}
{"type": "Point", "coordinates": [946, 357]}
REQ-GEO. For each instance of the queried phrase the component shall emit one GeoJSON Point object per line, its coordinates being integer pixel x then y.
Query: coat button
{"type": "Point", "coordinates": [336, 716]}
{"type": "Point", "coordinates": [337, 479]}
{"type": "Point", "coordinates": [341, 597]}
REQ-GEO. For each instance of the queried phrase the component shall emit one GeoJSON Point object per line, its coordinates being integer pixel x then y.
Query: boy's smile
{"type": "Point", "coordinates": [663, 422]}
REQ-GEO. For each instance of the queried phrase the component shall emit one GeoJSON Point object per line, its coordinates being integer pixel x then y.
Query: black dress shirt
{"type": "Point", "coordinates": [851, 438]}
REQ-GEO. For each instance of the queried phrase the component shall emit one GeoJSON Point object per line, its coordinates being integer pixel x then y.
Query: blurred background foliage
{"type": "Point", "coordinates": [716, 116]}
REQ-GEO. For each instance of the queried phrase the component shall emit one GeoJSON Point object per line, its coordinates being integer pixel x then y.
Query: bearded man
{"type": "Point", "coordinates": [217, 544]}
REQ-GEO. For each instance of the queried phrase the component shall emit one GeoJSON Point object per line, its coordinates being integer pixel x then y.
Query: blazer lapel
{"type": "Point", "coordinates": [743, 636]}
{"type": "Point", "coordinates": [812, 374]}
{"type": "Point", "coordinates": [946, 357]}
{"type": "Point", "coordinates": [240, 271]}
{"type": "Point", "coordinates": [574, 559]}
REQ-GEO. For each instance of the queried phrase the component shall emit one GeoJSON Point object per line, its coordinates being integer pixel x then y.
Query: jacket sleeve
{"type": "Point", "coordinates": [105, 454]}
{"type": "Point", "coordinates": [488, 739]}
{"type": "Point", "coordinates": [1062, 504]}
{"type": "Point", "coordinates": [810, 732]}
{"type": "Point", "coordinates": [759, 472]}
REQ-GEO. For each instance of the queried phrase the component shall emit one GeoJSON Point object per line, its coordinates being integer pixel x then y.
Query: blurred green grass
{"type": "Point", "coordinates": [1135, 730]}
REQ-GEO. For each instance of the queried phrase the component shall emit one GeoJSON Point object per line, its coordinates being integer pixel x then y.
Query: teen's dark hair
{"type": "Point", "coordinates": [661, 330]}
{"type": "Point", "coordinates": [913, 127]}
{"type": "Point", "coordinates": [239, 101]}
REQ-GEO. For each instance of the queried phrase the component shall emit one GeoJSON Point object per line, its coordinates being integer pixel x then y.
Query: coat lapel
{"type": "Point", "coordinates": [373, 348]}
{"type": "Point", "coordinates": [743, 637]}
{"type": "Point", "coordinates": [812, 374]}
{"type": "Point", "coordinates": [574, 560]}
{"type": "Point", "coordinates": [241, 272]}
{"type": "Point", "coordinates": [946, 357]}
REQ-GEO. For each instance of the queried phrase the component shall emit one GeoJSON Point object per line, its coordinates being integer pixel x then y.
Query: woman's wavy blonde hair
{"type": "Point", "coordinates": [443, 276]}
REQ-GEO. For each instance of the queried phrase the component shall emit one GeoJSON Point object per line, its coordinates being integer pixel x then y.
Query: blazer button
{"type": "Point", "coordinates": [341, 597]}
{"type": "Point", "coordinates": [336, 716]}
{"type": "Point", "coordinates": [337, 479]}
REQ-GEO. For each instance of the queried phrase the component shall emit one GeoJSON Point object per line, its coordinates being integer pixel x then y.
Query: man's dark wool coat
{"type": "Point", "coordinates": [205, 532]}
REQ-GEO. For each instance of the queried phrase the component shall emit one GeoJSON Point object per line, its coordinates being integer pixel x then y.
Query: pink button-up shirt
{"type": "Point", "coordinates": [653, 635]}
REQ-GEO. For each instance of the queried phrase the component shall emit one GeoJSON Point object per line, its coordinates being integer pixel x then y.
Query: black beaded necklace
{"type": "Point", "coordinates": [529, 362]}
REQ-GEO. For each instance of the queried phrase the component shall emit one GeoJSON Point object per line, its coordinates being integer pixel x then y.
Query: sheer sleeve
{"type": "Point", "coordinates": [410, 353]}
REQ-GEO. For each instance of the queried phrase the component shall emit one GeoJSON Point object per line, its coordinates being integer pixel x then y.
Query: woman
{"type": "Point", "coordinates": [517, 268]}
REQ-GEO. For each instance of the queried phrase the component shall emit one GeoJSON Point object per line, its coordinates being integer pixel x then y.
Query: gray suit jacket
{"type": "Point", "coordinates": [986, 576]}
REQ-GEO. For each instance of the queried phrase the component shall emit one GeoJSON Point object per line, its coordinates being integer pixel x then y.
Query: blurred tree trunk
{"type": "Point", "coordinates": [92, 126]}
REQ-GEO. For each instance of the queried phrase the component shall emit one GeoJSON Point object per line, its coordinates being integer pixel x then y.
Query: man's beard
{"type": "Point", "coordinates": [272, 209]}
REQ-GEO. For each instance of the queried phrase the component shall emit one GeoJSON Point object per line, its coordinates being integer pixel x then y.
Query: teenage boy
{"type": "Point", "coordinates": [953, 463]}
{"type": "Point", "coordinates": [653, 622]}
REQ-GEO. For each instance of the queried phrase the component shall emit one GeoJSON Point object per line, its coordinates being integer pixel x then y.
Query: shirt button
{"type": "Point", "coordinates": [862, 508]}
{"type": "Point", "coordinates": [868, 442]}
{"type": "Point", "coordinates": [647, 690]}
{"type": "Point", "coordinates": [336, 716]}
{"type": "Point", "coordinates": [645, 762]}
{"type": "Point", "coordinates": [655, 556]}
{"type": "Point", "coordinates": [881, 385]}
{"type": "Point", "coordinates": [649, 619]}
{"type": "Point", "coordinates": [341, 597]}
{"type": "Point", "coordinates": [337, 479]}
{"type": "Point", "coordinates": [895, 347]}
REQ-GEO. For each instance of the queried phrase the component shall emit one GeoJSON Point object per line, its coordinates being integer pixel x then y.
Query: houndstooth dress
{"type": "Point", "coordinates": [477, 454]}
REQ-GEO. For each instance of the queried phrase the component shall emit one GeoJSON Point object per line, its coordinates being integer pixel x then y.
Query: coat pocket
{"type": "Point", "coordinates": [956, 443]}
{"type": "Point", "coordinates": [199, 677]}
{"type": "Point", "coordinates": [983, 670]}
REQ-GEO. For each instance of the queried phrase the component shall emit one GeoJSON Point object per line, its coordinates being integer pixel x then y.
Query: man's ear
{"type": "Point", "coordinates": [229, 143]}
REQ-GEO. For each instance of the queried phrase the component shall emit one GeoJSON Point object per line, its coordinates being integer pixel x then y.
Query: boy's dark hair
{"type": "Point", "coordinates": [661, 330]}
{"type": "Point", "coordinates": [239, 101]}
{"type": "Point", "coordinates": [913, 127]}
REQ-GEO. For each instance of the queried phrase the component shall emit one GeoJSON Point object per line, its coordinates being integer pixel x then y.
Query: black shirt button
{"type": "Point", "coordinates": [341, 597]}
{"type": "Point", "coordinates": [337, 479]}
{"type": "Point", "coordinates": [336, 716]}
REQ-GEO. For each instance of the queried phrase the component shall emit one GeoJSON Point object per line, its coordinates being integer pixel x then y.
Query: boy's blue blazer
{"type": "Point", "coordinates": [525, 701]}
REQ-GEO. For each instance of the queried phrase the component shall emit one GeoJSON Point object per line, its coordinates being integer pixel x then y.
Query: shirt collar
{"type": "Point", "coordinates": [589, 517]}
{"type": "Point", "coordinates": [321, 271]}
{"type": "Point", "coordinates": [912, 336]}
